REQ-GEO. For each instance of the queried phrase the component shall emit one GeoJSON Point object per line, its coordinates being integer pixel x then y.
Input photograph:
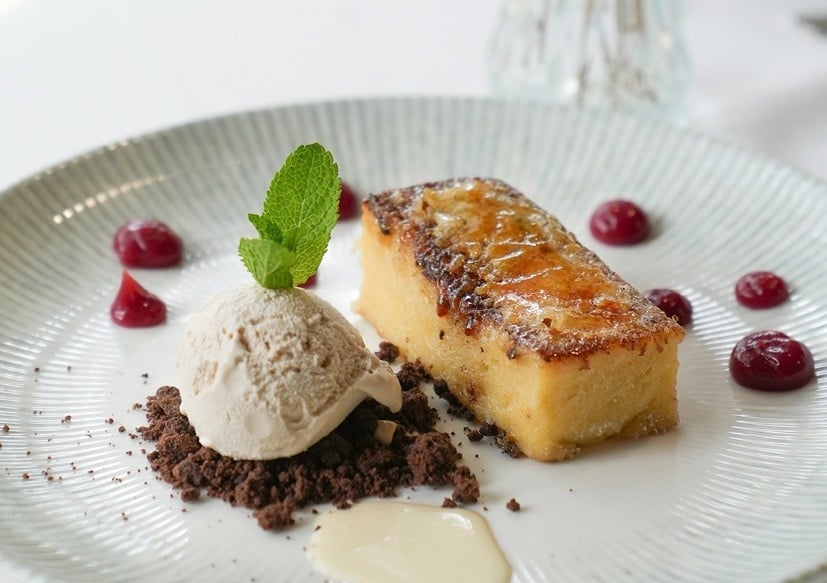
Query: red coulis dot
{"type": "Point", "coordinates": [147, 243]}
{"type": "Point", "coordinates": [619, 222]}
{"type": "Point", "coordinates": [673, 304]}
{"type": "Point", "coordinates": [771, 361]}
{"type": "Point", "coordinates": [761, 289]}
{"type": "Point", "coordinates": [135, 307]}
{"type": "Point", "coordinates": [311, 282]}
{"type": "Point", "coordinates": [348, 203]}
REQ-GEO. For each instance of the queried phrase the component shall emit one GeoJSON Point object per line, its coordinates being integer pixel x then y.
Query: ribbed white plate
{"type": "Point", "coordinates": [738, 492]}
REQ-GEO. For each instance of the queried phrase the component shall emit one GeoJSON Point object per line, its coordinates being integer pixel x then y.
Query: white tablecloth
{"type": "Point", "coordinates": [75, 75]}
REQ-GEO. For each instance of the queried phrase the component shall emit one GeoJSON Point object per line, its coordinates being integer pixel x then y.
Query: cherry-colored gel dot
{"type": "Point", "coordinates": [311, 282]}
{"type": "Point", "coordinates": [761, 289]}
{"type": "Point", "coordinates": [135, 307]}
{"type": "Point", "coordinates": [147, 243]}
{"type": "Point", "coordinates": [348, 203]}
{"type": "Point", "coordinates": [673, 304]}
{"type": "Point", "coordinates": [619, 222]}
{"type": "Point", "coordinates": [771, 361]}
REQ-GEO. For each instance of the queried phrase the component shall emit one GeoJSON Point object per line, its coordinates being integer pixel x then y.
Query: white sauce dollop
{"type": "Point", "coordinates": [402, 542]}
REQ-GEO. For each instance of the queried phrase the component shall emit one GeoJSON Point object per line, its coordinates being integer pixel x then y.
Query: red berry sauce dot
{"type": "Point", "coordinates": [135, 307]}
{"type": "Point", "coordinates": [619, 222]}
{"type": "Point", "coordinates": [673, 304]}
{"type": "Point", "coordinates": [311, 282]}
{"type": "Point", "coordinates": [348, 203]}
{"type": "Point", "coordinates": [761, 289]}
{"type": "Point", "coordinates": [771, 361]}
{"type": "Point", "coordinates": [147, 243]}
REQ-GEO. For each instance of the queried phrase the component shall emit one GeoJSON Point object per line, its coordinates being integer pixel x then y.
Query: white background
{"type": "Point", "coordinates": [78, 74]}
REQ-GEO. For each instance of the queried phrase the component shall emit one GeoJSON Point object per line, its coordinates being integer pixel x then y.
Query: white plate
{"type": "Point", "coordinates": [739, 491]}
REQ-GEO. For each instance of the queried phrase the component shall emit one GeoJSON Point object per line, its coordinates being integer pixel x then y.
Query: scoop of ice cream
{"type": "Point", "coordinates": [267, 373]}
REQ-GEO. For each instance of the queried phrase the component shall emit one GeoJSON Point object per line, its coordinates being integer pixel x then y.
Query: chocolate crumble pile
{"type": "Point", "coordinates": [344, 466]}
{"type": "Point", "coordinates": [485, 429]}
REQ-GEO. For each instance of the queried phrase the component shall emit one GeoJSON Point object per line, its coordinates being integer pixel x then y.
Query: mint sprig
{"type": "Point", "coordinates": [300, 211]}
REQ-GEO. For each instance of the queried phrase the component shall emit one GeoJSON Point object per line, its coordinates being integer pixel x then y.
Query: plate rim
{"type": "Point", "coordinates": [694, 132]}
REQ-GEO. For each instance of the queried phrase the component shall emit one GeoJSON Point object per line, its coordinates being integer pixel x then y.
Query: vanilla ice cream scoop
{"type": "Point", "coordinates": [266, 373]}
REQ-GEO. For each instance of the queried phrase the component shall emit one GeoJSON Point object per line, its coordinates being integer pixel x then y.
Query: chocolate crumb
{"type": "Point", "coordinates": [25, 475]}
{"type": "Point", "coordinates": [473, 434]}
{"type": "Point", "coordinates": [466, 486]}
{"type": "Point", "coordinates": [190, 494]}
{"type": "Point", "coordinates": [68, 368]}
{"type": "Point", "coordinates": [441, 334]}
{"type": "Point", "coordinates": [441, 390]}
{"type": "Point", "coordinates": [432, 459]}
{"type": "Point", "coordinates": [508, 446]}
{"type": "Point", "coordinates": [66, 419]}
{"type": "Point", "coordinates": [455, 408]}
{"type": "Point", "coordinates": [145, 375]}
{"type": "Point", "coordinates": [388, 352]}
{"type": "Point", "coordinates": [513, 505]}
{"type": "Point", "coordinates": [110, 421]}
{"type": "Point", "coordinates": [275, 516]}
{"type": "Point", "coordinates": [6, 428]}
{"type": "Point", "coordinates": [489, 429]}
{"type": "Point", "coordinates": [449, 503]}
{"type": "Point", "coordinates": [417, 411]}
{"type": "Point", "coordinates": [37, 369]}
{"type": "Point", "coordinates": [346, 465]}
{"type": "Point", "coordinates": [411, 375]}
{"type": "Point", "coordinates": [136, 406]}
{"type": "Point", "coordinates": [121, 429]}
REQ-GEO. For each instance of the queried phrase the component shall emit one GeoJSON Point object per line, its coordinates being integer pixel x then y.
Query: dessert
{"type": "Point", "coordinates": [268, 369]}
{"type": "Point", "coordinates": [267, 373]}
{"type": "Point", "coordinates": [530, 330]}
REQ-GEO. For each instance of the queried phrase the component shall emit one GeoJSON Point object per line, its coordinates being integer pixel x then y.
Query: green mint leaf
{"type": "Point", "coordinates": [266, 229]}
{"type": "Point", "coordinates": [300, 211]}
{"type": "Point", "coordinates": [269, 262]}
{"type": "Point", "coordinates": [303, 202]}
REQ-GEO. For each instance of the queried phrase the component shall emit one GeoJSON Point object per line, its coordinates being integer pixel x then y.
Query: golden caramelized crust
{"type": "Point", "coordinates": [497, 259]}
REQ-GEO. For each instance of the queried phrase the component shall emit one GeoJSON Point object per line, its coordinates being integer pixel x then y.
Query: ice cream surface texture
{"type": "Point", "coordinates": [267, 373]}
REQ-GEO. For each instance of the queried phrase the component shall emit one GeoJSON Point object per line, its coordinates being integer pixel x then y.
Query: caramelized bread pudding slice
{"type": "Point", "coordinates": [531, 330]}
